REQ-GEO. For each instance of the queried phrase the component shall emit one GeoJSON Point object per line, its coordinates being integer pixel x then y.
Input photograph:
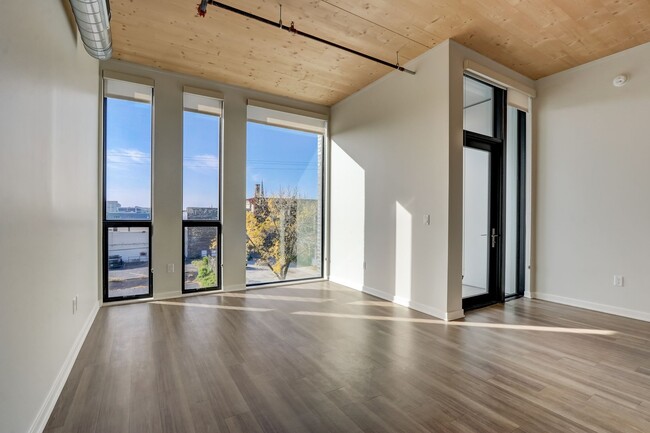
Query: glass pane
{"type": "Point", "coordinates": [512, 191]}
{"type": "Point", "coordinates": [283, 204]}
{"type": "Point", "coordinates": [201, 134]}
{"type": "Point", "coordinates": [128, 160]}
{"type": "Point", "coordinates": [201, 257]}
{"type": "Point", "coordinates": [476, 234]}
{"type": "Point", "coordinates": [128, 261]}
{"type": "Point", "coordinates": [478, 108]}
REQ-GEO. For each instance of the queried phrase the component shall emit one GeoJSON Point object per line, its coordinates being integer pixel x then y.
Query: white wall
{"type": "Point", "coordinates": [397, 155]}
{"type": "Point", "coordinates": [593, 173]}
{"type": "Point", "coordinates": [48, 205]}
{"type": "Point", "coordinates": [168, 173]}
{"type": "Point", "coordinates": [390, 153]}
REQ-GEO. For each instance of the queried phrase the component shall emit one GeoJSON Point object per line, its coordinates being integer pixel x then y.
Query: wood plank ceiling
{"type": "Point", "coordinates": [534, 37]}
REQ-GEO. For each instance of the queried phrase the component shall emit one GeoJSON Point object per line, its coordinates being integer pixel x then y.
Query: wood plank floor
{"type": "Point", "coordinates": [323, 358]}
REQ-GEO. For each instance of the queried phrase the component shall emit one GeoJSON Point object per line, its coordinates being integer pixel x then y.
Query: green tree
{"type": "Point", "coordinates": [206, 275]}
{"type": "Point", "coordinates": [206, 268]}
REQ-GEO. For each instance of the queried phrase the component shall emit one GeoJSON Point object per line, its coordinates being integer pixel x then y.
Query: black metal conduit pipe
{"type": "Point", "coordinates": [293, 30]}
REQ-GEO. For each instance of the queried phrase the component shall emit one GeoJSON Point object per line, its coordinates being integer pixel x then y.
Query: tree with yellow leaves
{"type": "Point", "coordinates": [275, 229]}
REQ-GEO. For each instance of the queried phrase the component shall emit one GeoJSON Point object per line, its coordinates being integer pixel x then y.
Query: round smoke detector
{"type": "Point", "coordinates": [620, 80]}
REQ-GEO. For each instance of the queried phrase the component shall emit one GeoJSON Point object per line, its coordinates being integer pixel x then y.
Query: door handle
{"type": "Point", "coordinates": [494, 237]}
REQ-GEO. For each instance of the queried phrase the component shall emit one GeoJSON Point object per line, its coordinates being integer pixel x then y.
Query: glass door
{"type": "Point", "coordinates": [481, 220]}
{"type": "Point", "coordinates": [494, 200]}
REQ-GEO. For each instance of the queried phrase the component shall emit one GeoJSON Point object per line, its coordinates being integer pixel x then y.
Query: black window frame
{"type": "Point", "coordinates": [202, 223]}
{"type": "Point", "coordinates": [189, 223]}
{"type": "Point", "coordinates": [323, 193]}
{"type": "Point", "coordinates": [520, 254]}
{"type": "Point", "coordinates": [109, 224]}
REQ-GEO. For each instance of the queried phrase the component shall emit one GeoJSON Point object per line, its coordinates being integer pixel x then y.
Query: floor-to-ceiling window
{"type": "Point", "coordinates": [201, 190]}
{"type": "Point", "coordinates": [127, 189]}
{"type": "Point", "coordinates": [284, 195]}
{"type": "Point", "coordinates": [515, 203]}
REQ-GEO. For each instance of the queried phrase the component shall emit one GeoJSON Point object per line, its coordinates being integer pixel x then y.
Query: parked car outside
{"type": "Point", "coordinates": [115, 262]}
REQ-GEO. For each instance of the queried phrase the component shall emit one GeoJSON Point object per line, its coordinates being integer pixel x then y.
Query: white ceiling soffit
{"type": "Point", "coordinates": [499, 79]}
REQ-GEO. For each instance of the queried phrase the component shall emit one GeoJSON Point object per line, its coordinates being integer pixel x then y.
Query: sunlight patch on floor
{"type": "Point", "coordinates": [375, 303]}
{"type": "Point", "coordinates": [242, 295]}
{"type": "Point", "coordinates": [216, 307]}
{"type": "Point", "coordinates": [318, 289]}
{"type": "Point", "coordinates": [585, 331]}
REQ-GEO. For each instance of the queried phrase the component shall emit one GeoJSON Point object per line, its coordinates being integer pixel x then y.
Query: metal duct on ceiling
{"type": "Point", "coordinates": [93, 20]}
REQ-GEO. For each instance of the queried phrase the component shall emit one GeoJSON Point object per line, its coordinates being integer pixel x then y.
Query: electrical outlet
{"type": "Point", "coordinates": [618, 281]}
{"type": "Point", "coordinates": [170, 268]}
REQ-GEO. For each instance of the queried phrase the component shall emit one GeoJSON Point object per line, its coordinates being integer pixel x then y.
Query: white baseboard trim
{"type": "Point", "coordinates": [55, 390]}
{"type": "Point", "coordinates": [603, 308]}
{"type": "Point", "coordinates": [417, 306]}
{"type": "Point", "coordinates": [455, 315]}
{"type": "Point", "coordinates": [379, 294]}
{"type": "Point", "coordinates": [235, 288]}
{"type": "Point", "coordinates": [173, 295]}
{"type": "Point", "coordinates": [161, 296]}
{"type": "Point", "coordinates": [346, 283]}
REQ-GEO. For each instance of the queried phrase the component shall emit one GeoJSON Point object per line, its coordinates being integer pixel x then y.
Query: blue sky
{"type": "Point", "coordinates": [200, 160]}
{"type": "Point", "coordinates": [279, 157]}
{"type": "Point", "coordinates": [282, 159]}
{"type": "Point", "coordinates": [128, 152]}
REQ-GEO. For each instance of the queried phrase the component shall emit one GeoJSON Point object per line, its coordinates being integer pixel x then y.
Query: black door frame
{"type": "Point", "coordinates": [494, 144]}
{"type": "Point", "coordinates": [496, 289]}
{"type": "Point", "coordinates": [520, 272]}
{"type": "Point", "coordinates": [496, 285]}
